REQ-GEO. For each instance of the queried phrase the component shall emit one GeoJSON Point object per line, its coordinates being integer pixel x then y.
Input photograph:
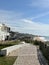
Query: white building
{"type": "Point", "coordinates": [4, 32]}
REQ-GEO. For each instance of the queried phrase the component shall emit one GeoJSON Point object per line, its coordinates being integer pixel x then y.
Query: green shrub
{"type": "Point", "coordinates": [36, 42]}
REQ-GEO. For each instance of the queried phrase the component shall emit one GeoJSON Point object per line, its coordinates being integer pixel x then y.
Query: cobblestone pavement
{"type": "Point", "coordinates": [27, 55]}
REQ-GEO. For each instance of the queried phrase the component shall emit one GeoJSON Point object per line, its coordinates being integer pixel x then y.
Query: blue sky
{"type": "Point", "coordinates": [26, 16]}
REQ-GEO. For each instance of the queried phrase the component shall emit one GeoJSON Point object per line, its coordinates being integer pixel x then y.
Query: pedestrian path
{"type": "Point", "coordinates": [27, 55]}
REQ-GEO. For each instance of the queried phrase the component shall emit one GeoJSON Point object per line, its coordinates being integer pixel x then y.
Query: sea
{"type": "Point", "coordinates": [46, 37]}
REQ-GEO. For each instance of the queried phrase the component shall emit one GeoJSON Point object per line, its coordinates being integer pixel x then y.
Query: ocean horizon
{"type": "Point", "coordinates": [46, 38]}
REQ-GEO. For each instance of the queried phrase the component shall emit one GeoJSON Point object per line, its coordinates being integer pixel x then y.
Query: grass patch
{"type": "Point", "coordinates": [4, 44]}
{"type": "Point", "coordinates": [12, 42]}
{"type": "Point", "coordinates": [2, 47]}
{"type": "Point", "coordinates": [7, 60]}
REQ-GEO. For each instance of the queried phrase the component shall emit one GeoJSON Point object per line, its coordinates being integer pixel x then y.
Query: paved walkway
{"type": "Point", "coordinates": [27, 55]}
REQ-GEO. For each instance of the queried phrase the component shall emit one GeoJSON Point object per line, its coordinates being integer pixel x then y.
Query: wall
{"type": "Point", "coordinates": [45, 50]}
{"type": "Point", "coordinates": [7, 50]}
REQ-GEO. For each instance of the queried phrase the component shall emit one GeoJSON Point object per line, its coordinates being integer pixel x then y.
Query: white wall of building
{"type": "Point", "coordinates": [3, 33]}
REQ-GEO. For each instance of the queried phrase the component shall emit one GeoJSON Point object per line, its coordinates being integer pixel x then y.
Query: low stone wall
{"type": "Point", "coordinates": [45, 49]}
{"type": "Point", "coordinates": [7, 50]}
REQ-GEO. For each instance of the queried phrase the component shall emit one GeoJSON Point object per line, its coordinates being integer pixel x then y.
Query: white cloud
{"type": "Point", "coordinates": [27, 21]}
{"type": "Point", "coordinates": [9, 17]}
{"type": "Point", "coordinates": [17, 23]}
{"type": "Point", "coordinates": [40, 15]}
{"type": "Point", "coordinates": [40, 3]}
{"type": "Point", "coordinates": [36, 28]}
